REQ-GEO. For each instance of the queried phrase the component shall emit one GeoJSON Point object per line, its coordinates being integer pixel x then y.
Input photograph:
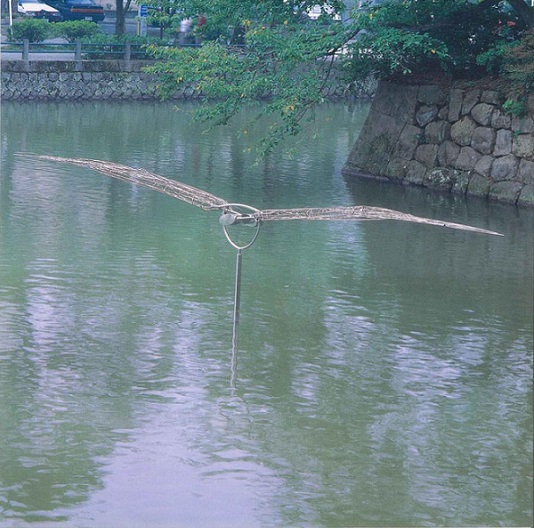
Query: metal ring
{"type": "Point", "coordinates": [232, 208]}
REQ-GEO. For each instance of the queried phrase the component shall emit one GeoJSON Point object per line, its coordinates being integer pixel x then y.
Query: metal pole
{"type": "Point", "coordinates": [237, 295]}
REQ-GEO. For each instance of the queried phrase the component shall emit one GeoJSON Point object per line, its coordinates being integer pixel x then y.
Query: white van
{"type": "Point", "coordinates": [38, 9]}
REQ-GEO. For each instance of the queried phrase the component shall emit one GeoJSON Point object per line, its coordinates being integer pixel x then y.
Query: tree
{"type": "Point", "coordinates": [122, 7]}
{"type": "Point", "coordinates": [287, 61]}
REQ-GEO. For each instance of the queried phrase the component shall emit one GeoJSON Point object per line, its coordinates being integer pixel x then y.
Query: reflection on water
{"type": "Point", "coordinates": [384, 376]}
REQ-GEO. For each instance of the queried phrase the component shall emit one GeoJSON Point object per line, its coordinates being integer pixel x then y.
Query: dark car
{"type": "Point", "coordinates": [78, 9]}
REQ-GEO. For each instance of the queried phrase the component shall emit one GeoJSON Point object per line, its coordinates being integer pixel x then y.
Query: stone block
{"type": "Point", "coordinates": [467, 159]}
{"type": "Point", "coordinates": [432, 94]}
{"type": "Point", "coordinates": [490, 96]}
{"type": "Point", "coordinates": [375, 145]}
{"type": "Point", "coordinates": [523, 125]}
{"type": "Point", "coordinates": [447, 153]}
{"type": "Point", "coordinates": [455, 104]}
{"type": "Point", "coordinates": [482, 113]}
{"type": "Point", "coordinates": [526, 196]}
{"type": "Point", "coordinates": [505, 191]}
{"type": "Point", "coordinates": [440, 178]}
{"type": "Point", "coordinates": [500, 120]}
{"type": "Point", "coordinates": [503, 143]}
{"type": "Point", "coordinates": [523, 146]}
{"type": "Point", "coordinates": [525, 172]}
{"type": "Point", "coordinates": [504, 168]}
{"type": "Point", "coordinates": [483, 165]}
{"type": "Point", "coordinates": [426, 114]}
{"type": "Point", "coordinates": [478, 185]}
{"type": "Point", "coordinates": [437, 131]}
{"type": "Point", "coordinates": [483, 140]}
{"type": "Point", "coordinates": [461, 182]}
{"type": "Point", "coordinates": [427, 154]}
{"type": "Point", "coordinates": [407, 143]}
{"type": "Point", "coordinates": [462, 131]}
{"type": "Point", "coordinates": [415, 173]}
{"type": "Point", "coordinates": [396, 169]}
{"type": "Point", "coordinates": [471, 98]}
{"type": "Point", "coordinates": [396, 100]}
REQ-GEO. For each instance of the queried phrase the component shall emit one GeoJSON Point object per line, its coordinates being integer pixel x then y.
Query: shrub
{"type": "Point", "coordinates": [426, 35]}
{"type": "Point", "coordinates": [76, 30]}
{"type": "Point", "coordinates": [518, 65]}
{"type": "Point", "coordinates": [34, 30]}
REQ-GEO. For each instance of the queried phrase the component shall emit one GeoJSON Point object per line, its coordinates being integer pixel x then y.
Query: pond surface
{"type": "Point", "coordinates": [384, 370]}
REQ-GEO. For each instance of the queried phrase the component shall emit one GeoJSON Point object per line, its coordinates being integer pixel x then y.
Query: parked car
{"type": "Point", "coordinates": [38, 9]}
{"type": "Point", "coordinates": [78, 9]}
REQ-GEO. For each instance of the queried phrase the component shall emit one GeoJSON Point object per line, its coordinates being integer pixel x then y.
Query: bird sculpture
{"type": "Point", "coordinates": [232, 214]}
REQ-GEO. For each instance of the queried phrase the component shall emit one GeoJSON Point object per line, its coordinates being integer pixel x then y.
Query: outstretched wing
{"type": "Point", "coordinates": [359, 212]}
{"type": "Point", "coordinates": [208, 201]}
{"type": "Point", "coordinates": [144, 178]}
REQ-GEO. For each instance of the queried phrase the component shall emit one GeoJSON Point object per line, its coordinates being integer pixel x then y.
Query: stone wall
{"type": "Point", "coordinates": [448, 138]}
{"type": "Point", "coordinates": [80, 80]}
{"type": "Point", "coordinates": [110, 80]}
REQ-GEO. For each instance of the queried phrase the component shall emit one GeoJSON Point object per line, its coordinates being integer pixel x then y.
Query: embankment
{"type": "Point", "coordinates": [448, 138]}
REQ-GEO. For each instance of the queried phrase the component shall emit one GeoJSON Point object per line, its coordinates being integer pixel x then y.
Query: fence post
{"type": "Point", "coordinates": [26, 54]}
{"type": "Point", "coordinates": [78, 55]}
{"type": "Point", "coordinates": [128, 55]}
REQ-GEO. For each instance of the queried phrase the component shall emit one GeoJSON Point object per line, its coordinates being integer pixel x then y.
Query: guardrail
{"type": "Point", "coordinates": [77, 50]}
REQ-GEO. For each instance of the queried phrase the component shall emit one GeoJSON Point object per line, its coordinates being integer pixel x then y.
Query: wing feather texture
{"type": "Point", "coordinates": [144, 178]}
{"type": "Point", "coordinates": [208, 201]}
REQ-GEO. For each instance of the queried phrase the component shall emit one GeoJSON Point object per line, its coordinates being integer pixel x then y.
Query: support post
{"type": "Point", "coordinates": [26, 54]}
{"type": "Point", "coordinates": [78, 55]}
{"type": "Point", "coordinates": [128, 56]}
{"type": "Point", "coordinates": [237, 298]}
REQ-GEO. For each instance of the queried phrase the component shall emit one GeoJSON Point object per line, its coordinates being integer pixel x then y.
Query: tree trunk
{"type": "Point", "coordinates": [120, 24]}
{"type": "Point", "coordinates": [524, 10]}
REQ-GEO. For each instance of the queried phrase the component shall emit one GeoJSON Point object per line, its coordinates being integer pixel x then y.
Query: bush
{"type": "Point", "coordinates": [432, 35]}
{"type": "Point", "coordinates": [76, 30]}
{"type": "Point", "coordinates": [34, 30]}
{"type": "Point", "coordinates": [518, 65]}
{"type": "Point", "coordinates": [513, 61]}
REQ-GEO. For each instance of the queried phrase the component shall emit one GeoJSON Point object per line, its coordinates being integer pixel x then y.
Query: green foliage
{"type": "Point", "coordinates": [514, 62]}
{"type": "Point", "coordinates": [493, 58]}
{"type": "Point", "coordinates": [514, 107]}
{"type": "Point", "coordinates": [76, 30]}
{"type": "Point", "coordinates": [285, 70]}
{"type": "Point", "coordinates": [286, 61]}
{"type": "Point", "coordinates": [428, 35]}
{"type": "Point", "coordinates": [33, 29]}
{"type": "Point", "coordinates": [518, 65]}
{"type": "Point", "coordinates": [388, 52]}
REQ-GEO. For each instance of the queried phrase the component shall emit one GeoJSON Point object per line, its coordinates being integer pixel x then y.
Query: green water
{"type": "Point", "coordinates": [384, 370]}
